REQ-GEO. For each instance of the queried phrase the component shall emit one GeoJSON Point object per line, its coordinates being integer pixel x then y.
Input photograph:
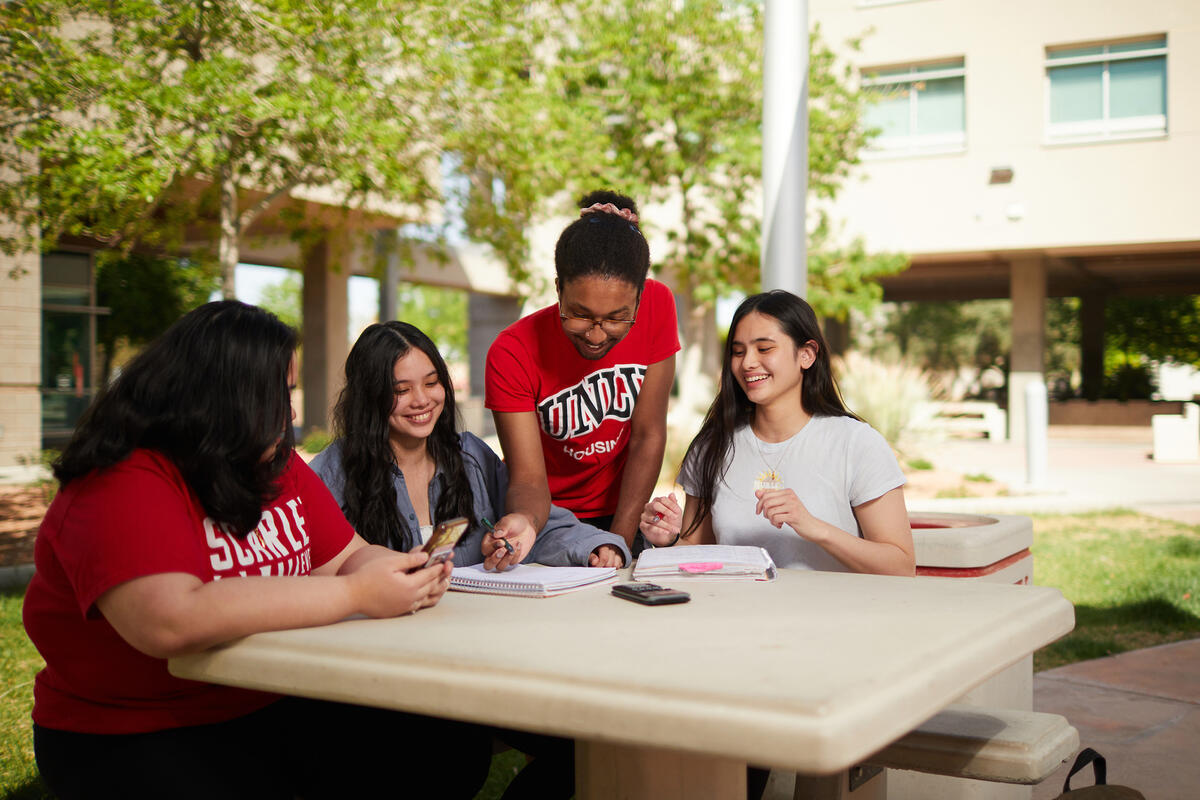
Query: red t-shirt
{"type": "Point", "coordinates": [139, 518]}
{"type": "Point", "coordinates": [583, 407]}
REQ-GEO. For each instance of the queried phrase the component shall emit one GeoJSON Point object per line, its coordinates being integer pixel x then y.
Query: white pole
{"type": "Point", "coordinates": [785, 145]}
{"type": "Point", "coordinates": [1036, 421]}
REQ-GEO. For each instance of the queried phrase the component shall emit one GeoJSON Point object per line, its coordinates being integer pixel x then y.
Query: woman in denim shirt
{"type": "Point", "coordinates": [399, 466]}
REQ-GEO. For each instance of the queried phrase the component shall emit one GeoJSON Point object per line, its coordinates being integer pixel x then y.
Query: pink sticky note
{"type": "Point", "coordinates": [703, 566]}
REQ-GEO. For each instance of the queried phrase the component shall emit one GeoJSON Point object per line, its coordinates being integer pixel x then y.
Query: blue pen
{"type": "Point", "coordinates": [492, 530]}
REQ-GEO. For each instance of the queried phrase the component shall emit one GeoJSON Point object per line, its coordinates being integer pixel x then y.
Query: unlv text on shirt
{"type": "Point", "coordinates": [609, 393]}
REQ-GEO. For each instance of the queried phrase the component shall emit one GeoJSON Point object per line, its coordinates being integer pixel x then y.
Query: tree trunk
{"type": "Point", "coordinates": [227, 245]}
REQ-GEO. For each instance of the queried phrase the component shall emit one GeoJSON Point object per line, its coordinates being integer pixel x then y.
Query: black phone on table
{"type": "Point", "coordinates": [650, 594]}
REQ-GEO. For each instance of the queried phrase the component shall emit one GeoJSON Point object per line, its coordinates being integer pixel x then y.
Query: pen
{"type": "Point", "coordinates": [492, 530]}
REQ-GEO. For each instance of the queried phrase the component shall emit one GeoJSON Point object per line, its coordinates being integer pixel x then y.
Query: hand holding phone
{"type": "Point", "coordinates": [445, 536]}
{"type": "Point", "coordinates": [650, 594]}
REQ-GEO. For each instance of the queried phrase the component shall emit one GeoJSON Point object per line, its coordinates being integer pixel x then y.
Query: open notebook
{"type": "Point", "coordinates": [706, 561]}
{"type": "Point", "coordinates": [529, 580]}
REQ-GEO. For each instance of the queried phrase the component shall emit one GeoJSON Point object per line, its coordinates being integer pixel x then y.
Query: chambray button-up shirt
{"type": "Point", "coordinates": [563, 541]}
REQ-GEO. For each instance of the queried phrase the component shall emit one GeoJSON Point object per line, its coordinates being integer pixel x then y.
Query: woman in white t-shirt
{"type": "Point", "coordinates": [781, 463]}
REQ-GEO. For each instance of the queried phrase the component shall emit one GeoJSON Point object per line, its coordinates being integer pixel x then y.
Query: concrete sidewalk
{"type": "Point", "coordinates": [1088, 469]}
{"type": "Point", "coordinates": [1140, 710]}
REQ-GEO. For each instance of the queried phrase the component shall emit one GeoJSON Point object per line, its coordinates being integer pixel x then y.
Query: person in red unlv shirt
{"type": "Point", "coordinates": [185, 519]}
{"type": "Point", "coordinates": [579, 389]}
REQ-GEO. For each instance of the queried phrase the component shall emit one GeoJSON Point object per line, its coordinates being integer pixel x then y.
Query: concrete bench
{"type": "Point", "coordinates": [968, 417]}
{"type": "Point", "coordinates": [1177, 436]}
{"type": "Point", "coordinates": [985, 744]}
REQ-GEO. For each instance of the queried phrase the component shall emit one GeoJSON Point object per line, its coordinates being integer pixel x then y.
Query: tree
{"type": "Point", "coordinates": [284, 299]}
{"type": "Point", "coordinates": [131, 105]}
{"type": "Point", "coordinates": [144, 294]}
{"type": "Point", "coordinates": [1163, 328]}
{"type": "Point", "coordinates": [677, 89]}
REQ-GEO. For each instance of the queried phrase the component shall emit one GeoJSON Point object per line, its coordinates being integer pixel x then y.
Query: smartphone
{"type": "Point", "coordinates": [650, 594]}
{"type": "Point", "coordinates": [441, 542]}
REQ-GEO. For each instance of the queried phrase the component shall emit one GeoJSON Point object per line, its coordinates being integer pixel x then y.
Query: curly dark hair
{"type": "Point", "coordinates": [603, 244]}
{"type": "Point", "coordinates": [819, 395]}
{"type": "Point", "coordinates": [212, 395]}
{"type": "Point", "coordinates": [360, 420]}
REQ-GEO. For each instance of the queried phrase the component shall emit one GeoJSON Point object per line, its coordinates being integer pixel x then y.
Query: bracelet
{"type": "Point", "coordinates": [676, 539]}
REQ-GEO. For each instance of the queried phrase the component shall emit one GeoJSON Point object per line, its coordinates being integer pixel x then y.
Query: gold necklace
{"type": "Point", "coordinates": [770, 478]}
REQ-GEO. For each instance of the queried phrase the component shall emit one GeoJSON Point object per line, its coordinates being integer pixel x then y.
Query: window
{"type": "Point", "coordinates": [918, 109]}
{"type": "Point", "coordinates": [68, 342]}
{"type": "Point", "coordinates": [1107, 91]}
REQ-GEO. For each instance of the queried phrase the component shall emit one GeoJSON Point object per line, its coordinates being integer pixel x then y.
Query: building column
{"type": "Point", "coordinates": [1027, 287]}
{"type": "Point", "coordinates": [1091, 345]}
{"type": "Point", "coordinates": [487, 315]}
{"type": "Point", "coordinates": [325, 339]}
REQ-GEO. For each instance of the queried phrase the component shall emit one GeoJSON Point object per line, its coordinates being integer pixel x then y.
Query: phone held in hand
{"type": "Point", "coordinates": [650, 594]}
{"type": "Point", "coordinates": [440, 546]}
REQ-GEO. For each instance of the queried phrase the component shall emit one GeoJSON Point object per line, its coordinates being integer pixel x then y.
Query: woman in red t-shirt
{"type": "Point", "coordinates": [184, 520]}
{"type": "Point", "coordinates": [579, 389]}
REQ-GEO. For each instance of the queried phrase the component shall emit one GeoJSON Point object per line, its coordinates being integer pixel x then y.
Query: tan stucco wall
{"type": "Point", "coordinates": [20, 357]}
{"type": "Point", "coordinates": [1065, 195]}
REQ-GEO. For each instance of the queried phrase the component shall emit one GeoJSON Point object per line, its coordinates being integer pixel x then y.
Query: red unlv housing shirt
{"type": "Point", "coordinates": [583, 407]}
{"type": "Point", "coordinates": [139, 518]}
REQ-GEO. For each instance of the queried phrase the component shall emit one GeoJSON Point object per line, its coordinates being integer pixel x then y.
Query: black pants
{"type": "Point", "coordinates": [292, 748]}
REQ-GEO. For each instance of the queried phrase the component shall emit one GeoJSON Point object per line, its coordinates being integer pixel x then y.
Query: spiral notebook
{"type": "Point", "coordinates": [529, 580]}
{"type": "Point", "coordinates": [707, 561]}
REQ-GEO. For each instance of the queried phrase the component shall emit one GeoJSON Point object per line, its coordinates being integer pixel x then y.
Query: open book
{"type": "Point", "coordinates": [705, 561]}
{"type": "Point", "coordinates": [529, 580]}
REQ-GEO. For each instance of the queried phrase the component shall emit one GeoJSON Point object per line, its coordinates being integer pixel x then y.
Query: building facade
{"type": "Point", "coordinates": [1028, 150]}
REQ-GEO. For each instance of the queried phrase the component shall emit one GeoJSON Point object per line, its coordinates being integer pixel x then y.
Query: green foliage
{"type": "Point", "coordinates": [919, 464]}
{"type": "Point", "coordinates": [948, 336]}
{"type": "Point", "coordinates": [1162, 328]}
{"type": "Point", "coordinates": [978, 477]}
{"type": "Point", "coordinates": [1125, 381]}
{"type": "Point", "coordinates": [45, 481]}
{"type": "Point", "coordinates": [440, 313]}
{"type": "Point", "coordinates": [284, 299]}
{"type": "Point", "coordinates": [144, 294]}
{"type": "Point", "coordinates": [315, 441]}
{"type": "Point", "coordinates": [128, 103]}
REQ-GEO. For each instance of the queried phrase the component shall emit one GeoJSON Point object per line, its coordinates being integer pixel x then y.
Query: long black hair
{"type": "Point", "coordinates": [360, 420]}
{"type": "Point", "coordinates": [212, 395]}
{"type": "Point", "coordinates": [601, 244]}
{"type": "Point", "coordinates": [819, 395]}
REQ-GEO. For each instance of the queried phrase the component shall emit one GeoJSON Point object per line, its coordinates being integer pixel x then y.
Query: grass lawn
{"type": "Point", "coordinates": [1134, 580]}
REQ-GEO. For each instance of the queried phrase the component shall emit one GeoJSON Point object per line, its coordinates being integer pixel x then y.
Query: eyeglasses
{"type": "Point", "coordinates": [613, 327]}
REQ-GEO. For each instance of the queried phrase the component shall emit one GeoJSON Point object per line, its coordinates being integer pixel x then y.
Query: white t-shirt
{"type": "Point", "coordinates": [833, 464]}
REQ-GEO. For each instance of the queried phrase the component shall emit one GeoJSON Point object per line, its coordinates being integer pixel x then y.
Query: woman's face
{"type": "Point", "coordinates": [418, 397]}
{"type": "Point", "coordinates": [766, 362]}
{"type": "Point", "coordinates": [596, 313]}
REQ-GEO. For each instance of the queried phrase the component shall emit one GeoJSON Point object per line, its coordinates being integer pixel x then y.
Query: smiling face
{"type": "Point", "coordinates": [766, 362]}
{"type": "Point", "coordinates": [418, 398]}
{"type": "Point", "coordinates": [591, 298]}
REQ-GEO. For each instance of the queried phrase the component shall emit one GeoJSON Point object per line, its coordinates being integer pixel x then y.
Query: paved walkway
{"type": "Point", "coordinates": [1088, 469]}
{"type": "Point", "coordinates": [1140, 710]}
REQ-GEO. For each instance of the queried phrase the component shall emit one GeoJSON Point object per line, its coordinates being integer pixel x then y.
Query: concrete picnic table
{"type": "Point", "coordinates": [812, 672]}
